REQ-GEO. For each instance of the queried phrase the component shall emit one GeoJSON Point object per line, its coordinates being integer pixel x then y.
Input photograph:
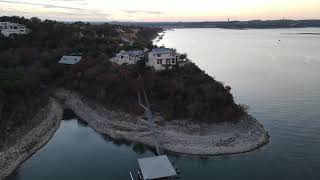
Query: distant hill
{"type": "Point", "coordinates": [253, 24]}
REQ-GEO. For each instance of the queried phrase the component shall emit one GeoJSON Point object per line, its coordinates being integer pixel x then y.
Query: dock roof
{"type": "Point", "coordinates": [156, 167]}
{"type": "Point", "coordinates": [70, 60]}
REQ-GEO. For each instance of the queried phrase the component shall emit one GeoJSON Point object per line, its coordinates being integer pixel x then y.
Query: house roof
{"type": "Point", "coordinates": [126, 40]}
{"type": "Point", "coordinates": [12, 24]}
{"type": "Point", "coordinates": [156, 167]}
{"type": "Point", "coordinates": [138, 53]}
{"type": "Point", "coordinates": [162, 50]}
{"type": "Point", "coordinates": [70, 59]}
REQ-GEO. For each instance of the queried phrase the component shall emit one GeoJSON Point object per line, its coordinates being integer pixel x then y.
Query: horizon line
{"type": "Point", "coordinates": [122, 21]}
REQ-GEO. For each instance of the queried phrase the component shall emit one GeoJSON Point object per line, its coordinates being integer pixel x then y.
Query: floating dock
{"type": "Point", "coordinates": [156, 167]}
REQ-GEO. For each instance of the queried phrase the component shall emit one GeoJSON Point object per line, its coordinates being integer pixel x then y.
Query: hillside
{"type": "Point", "coordinates": [30, 73]}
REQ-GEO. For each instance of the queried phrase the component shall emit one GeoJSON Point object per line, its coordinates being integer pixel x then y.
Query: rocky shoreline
{"type": "Point", "coordinates": [12, 157]}
{"type": "Point", "coordinates": [175, 136]}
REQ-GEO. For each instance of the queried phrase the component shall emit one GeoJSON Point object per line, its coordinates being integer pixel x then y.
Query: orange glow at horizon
{"type": "Point", "coordinates": [167, 10]}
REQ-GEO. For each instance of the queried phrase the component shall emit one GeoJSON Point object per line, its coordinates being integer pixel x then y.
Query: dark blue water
{"type": "Point", "coordinates": [77, 152]}
{"type": "Point", "coordinates": [275, 73]}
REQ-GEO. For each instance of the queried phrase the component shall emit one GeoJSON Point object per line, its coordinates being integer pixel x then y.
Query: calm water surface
{"type": "Point", "coordinates": [275, 72]}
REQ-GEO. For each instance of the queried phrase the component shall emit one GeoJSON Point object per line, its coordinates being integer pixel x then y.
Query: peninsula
{"type": "Point", "coordinates": [98, 71]}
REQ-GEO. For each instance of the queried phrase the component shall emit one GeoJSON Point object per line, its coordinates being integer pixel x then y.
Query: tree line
{"type": "Point", "coordinates": [29, 72]}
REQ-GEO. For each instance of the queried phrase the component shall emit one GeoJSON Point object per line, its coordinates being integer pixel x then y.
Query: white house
{"type": "Point", "coordinates": [129, 57]}
{"type": "Point", "coordinates": [162, 58]}
{"type": "Point", "coordinates": [70, 60]}
{"type": "Point", "coordinates": [8, 28]}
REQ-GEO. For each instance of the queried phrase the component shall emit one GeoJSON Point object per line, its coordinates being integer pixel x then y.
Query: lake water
{"type": "Point", "coordinates": [275, 72]}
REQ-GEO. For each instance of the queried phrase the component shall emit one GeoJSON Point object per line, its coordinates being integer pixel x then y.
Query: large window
{"type": "Point", "coordinates": [168, 61]}
{"type": "Point", "coordinates": [158, 55]}
{"type": "Point", "coordinates": [173, 60]}
{"type": "Point", "coordinates": [159, 61]}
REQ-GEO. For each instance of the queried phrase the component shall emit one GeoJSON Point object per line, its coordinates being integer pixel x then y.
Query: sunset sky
{"type": "Point", "coordinates": [162, 10]}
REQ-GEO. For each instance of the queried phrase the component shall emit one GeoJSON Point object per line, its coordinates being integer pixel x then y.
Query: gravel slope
{"type": "Point", "coordinates": [12, 157]}
{"type": "Point", "coordinates": [175, 136]}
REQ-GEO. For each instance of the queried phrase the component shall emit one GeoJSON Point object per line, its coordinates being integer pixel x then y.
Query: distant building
{"type": "Point", "coordinates": [135, 30]}
{"type": "Point", "coordinates": [128, 41]}
{"type": "Point", "coordinates": [162, 58]}
{"type": "Point", "coordinates": [128, 57]}
{"type": "Point", "coordinates": [90, 33]}
{"type": "Point", "coordinates": [130, 35]}
{"type": "Point", "coordinates": [8, 28]}
{"type": "Point", "coordinates": [78, 35]}
{"type": "Point", "coordinates": [70, 60]}
{"type": "Point", "coordinates": [119, 30]}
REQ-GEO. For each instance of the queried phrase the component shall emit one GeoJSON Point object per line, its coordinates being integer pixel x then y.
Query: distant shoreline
{"type": "Point", "coordinates": [301, 33]}
{"type": "Point", "coordinates": [239, 28]}
{"type": "Point", "coordinates": [253, 24]}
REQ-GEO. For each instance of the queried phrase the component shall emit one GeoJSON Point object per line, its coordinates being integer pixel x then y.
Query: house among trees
{"type": "Point", "coordinates": [158, 59]}
{"type": "Point", "coordinates": [119, 30]}
{"type": "Point", "coordinates": [128, 57]}
{"type": "Point", "coordinates": [78, 35]}
{"type": "Point", "coordinates": [162, 58]}
{"type": "Point", "coordinates": [8, 28]}
{"type": "Point", "coordinates": [127, 41]}
{"type": "Point", "coordinates": [135, 31]}
{"type": "Point", "coordinates": [70, 60]}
